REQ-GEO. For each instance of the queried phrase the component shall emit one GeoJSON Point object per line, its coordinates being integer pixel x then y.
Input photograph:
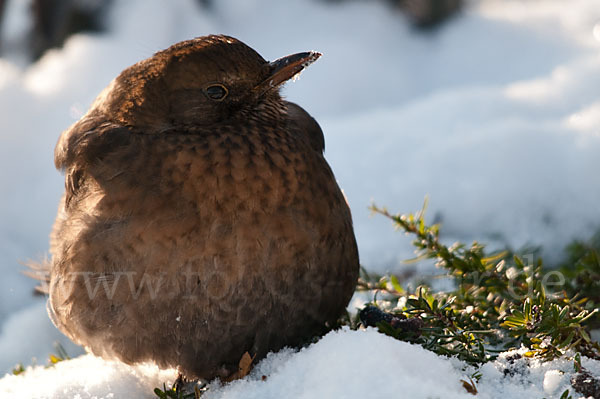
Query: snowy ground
{"type": "Point", "coordinates": [344, 364]}
{"type": "Point", "coordinates": [495, 116]}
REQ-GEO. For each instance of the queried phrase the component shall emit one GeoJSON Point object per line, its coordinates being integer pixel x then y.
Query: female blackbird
{"type": "Point", "coordinates": [200, 220]}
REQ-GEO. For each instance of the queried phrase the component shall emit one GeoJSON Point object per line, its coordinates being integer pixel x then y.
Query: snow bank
{"type": "Point", "coordinates": [343, 364]}
{"type": "Point", "coordinates": [359, 364]}
{"type": "Point", "coordinates": [512, 163]}
{"type": "Point", "coordinates": [86, 377]}
{"type": "Point", "coordinates": [27, 337]}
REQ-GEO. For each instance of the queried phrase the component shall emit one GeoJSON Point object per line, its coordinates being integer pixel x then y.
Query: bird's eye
{"type": "Point", "coordinates": [216, 92]}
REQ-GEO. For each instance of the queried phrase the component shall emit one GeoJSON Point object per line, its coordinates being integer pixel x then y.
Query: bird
{"type": "Point", "coordinates": [200, 220]}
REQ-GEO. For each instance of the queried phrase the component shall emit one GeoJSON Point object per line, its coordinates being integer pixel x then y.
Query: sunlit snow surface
{"type": "Point", "coordinates": [495, 116]}
{"type": "Point", "coordinates": [344, 364]}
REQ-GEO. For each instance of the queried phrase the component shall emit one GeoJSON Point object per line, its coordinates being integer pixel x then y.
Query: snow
{"type": "Point", "coordinates": [86, 377]}
{"type": "Point", "coordinates": [343, 364]}
{"type": "Point", "coordinates": [14, 29]}
{"type": "Point", "coordinates": [377, 366]}
{"type": "Point", "coordinates": [552, 380]}
{"type": "Point", "coordinates": [20, 337]}
{"type": "Point", "coordinates": [495, 116]}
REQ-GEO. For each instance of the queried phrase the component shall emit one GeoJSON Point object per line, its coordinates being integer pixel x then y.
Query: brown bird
{"type": "Point", "coordinates": [200, 219]}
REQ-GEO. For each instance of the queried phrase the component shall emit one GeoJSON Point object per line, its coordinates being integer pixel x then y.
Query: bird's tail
{"type": "Point", "coordinates": [39, 270]}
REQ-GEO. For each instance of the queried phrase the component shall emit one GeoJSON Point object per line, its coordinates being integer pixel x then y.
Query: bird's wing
{"type": "Point", "coordinates": [303, 124]}
{"type": "Point", "coordinates": [84, 145]}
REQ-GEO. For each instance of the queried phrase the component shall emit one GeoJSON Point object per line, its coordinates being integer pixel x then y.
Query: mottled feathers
{"type": "Point", "coordinates": [193, 230]}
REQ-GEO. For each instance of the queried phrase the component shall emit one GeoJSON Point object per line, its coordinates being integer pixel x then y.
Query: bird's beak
{"type": "Point", "coordinates": [285, 68]}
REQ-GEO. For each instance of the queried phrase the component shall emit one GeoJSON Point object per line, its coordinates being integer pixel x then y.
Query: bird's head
{"type": "Point", "coordinates": [198, 82]}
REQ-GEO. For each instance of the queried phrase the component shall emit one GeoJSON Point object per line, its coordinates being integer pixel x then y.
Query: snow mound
{"type": "Point", "coordinates": [86, 377]}
{"type": "Point", "coordinates": [20, 338]}
{"type": "Point", "coordinates": [349, 364]}
{"type": "Point", "coordinates": [343, 364]}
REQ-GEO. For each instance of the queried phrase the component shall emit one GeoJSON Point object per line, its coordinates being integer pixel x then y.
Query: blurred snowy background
{"type": "Point", "coordinates": [495, 114]}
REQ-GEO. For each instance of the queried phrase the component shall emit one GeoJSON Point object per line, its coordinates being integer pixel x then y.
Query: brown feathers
{"type": "Point", "coordinates": [200, 220]}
